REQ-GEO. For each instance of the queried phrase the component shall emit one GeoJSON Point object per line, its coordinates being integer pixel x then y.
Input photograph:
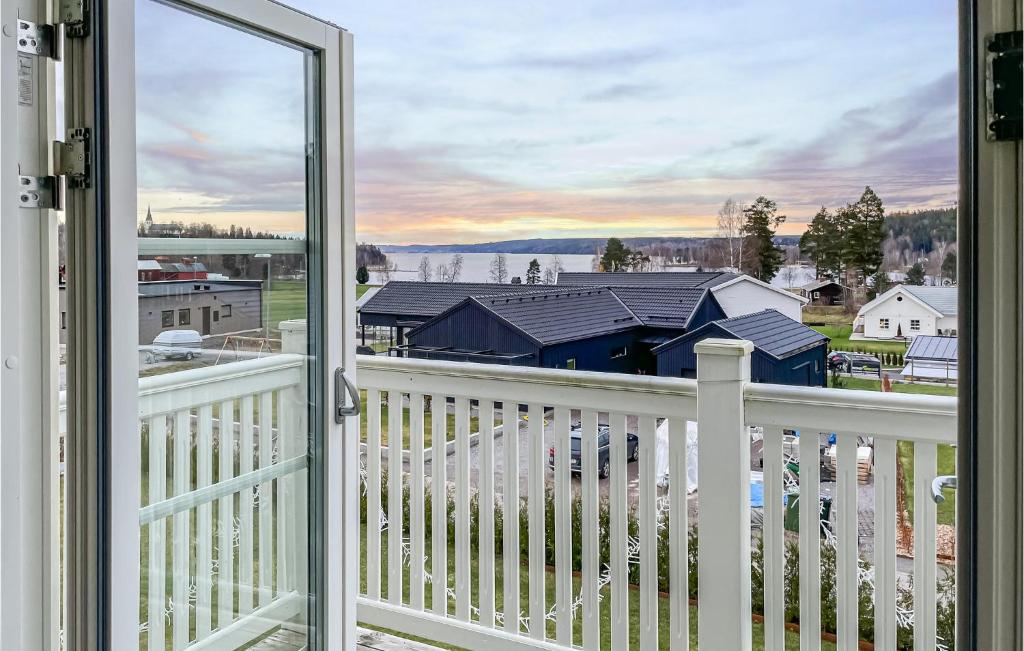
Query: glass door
{"type": "Point", "coordinates": [222, 176]}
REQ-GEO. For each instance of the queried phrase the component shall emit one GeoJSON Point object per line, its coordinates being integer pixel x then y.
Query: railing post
{"type": "Point", "coordinates": [723, 457]}
{"type": "Point", "coordinates": [292, 433]}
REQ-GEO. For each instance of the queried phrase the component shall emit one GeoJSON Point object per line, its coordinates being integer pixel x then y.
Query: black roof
{"type": "Point", "coordinates": [426, 300]}
{"type": "Point", "coordinates": [665, 307]}
{"type": "Point", "coordinates": [555, 316]}
{"type": "Point", "coordinates": [769, 330]}
{"type": "Point", "coordinates": [692, 279]}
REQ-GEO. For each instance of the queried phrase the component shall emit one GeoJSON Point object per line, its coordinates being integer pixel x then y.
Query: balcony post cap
{"type": "Point", "coordinates": [726, 347]}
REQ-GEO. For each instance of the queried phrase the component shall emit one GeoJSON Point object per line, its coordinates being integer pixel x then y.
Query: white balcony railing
{"type": "Point", "coordinates": [625, 541]}
{"type": "Point", "coordinates": [611, 548]}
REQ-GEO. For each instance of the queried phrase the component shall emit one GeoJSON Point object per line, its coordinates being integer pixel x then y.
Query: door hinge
{"type": "Point", "coordinates": [73, 158]}
{"type": "Point", "coordinates": [36, 39]}
{"type": "Point", "coordinates": [1003, 87]}
{"type": "Point", "coordinates": [45, 40]}
{"type": "Point", "coordinates": [74, 15]}
{"type": "Point", "coordinates": [40, 192]}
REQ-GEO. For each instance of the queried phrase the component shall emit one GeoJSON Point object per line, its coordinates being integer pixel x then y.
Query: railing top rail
{"type": "Point", "coordinates": [902, 416]}
{"type": "Point", "coordinates": [529, 374]}
{"type": "Point", "coordinates": [210, 384]}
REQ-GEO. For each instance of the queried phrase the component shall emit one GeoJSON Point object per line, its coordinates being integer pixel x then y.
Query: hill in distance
{"type": "Point", "coordinates": [562, 246]}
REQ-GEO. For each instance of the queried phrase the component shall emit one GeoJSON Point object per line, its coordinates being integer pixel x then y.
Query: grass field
{"type": "Point", "coordinates": [428, 419]}
{"type": "Point", "coordinates": [840, 336]}
{"type": "Point", "coordinates": [288, 300]}
{"type": "Point", "coordinates": [946, 462]}
{"type": "Point", "coordinates": [792, 639]}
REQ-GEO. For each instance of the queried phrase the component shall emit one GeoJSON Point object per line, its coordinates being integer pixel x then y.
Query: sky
{"type": "Point", "coordinates": [481, 121]}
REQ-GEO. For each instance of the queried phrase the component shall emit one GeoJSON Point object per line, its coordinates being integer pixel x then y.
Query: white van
{"type": "Point", "coordinates": [177, 344]}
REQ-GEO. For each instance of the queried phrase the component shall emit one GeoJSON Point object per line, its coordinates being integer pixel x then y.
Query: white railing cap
{"type": "Point", "coordinates": [730, 347]}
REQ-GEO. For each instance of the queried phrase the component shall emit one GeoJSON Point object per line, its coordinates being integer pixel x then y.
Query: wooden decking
{"type": "Point", "coordinates": [285, 640]}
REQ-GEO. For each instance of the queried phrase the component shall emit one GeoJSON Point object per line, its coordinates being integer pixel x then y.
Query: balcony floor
{"type": "Point", "coordinates": [285, 640]}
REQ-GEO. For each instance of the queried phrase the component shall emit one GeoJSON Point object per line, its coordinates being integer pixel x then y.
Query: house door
{"type": "Point", "coordinates": [201, 496]}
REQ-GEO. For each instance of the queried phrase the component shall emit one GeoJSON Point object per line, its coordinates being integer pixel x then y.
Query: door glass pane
{"type": "Point", "coordinates": [224, 348]}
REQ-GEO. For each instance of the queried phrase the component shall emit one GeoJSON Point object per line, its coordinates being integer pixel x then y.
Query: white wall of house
{"type": "Point", "coordinates": [746, 296]}
{"type": "Point", "coordinates": [897, 316]}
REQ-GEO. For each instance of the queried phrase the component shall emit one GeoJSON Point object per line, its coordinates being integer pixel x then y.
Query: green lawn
{"type": "Point", "coordinates": [288, 300]}
{"type": "Point", "coordinates": [946, 461]}
{"type": "Point", "coordinates": [428, 419]}
{"type": "Point", "coordinates": [792, 639]}
{"type": "Point", "coordinates": [840, 336]}
{"type": "Point", "coordinates": [826, 315]}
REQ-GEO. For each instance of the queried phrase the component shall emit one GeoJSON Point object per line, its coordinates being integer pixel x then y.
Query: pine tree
{"type": "Point", "coordinates": [760, 223]}
{"type": "Point", "coordinates": [616, 255]}
{"type": "Point", "coordinates": [915, 275]}
{"type": "Point", "coordinates": [866, 234]}
{"type": "Point", "coordinates": [949, 266]}
{"type": "Point", "coordinates": [533, 272]}
{"type": "Point", "coordinates": [362, 276]}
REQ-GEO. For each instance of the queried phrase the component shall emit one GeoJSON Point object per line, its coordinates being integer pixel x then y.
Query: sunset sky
{"type": "Point", "coordinates": [480, 121]}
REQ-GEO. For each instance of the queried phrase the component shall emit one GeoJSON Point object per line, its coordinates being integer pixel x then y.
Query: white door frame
{"type": "Point", "coordinates": [990, 565]}
{"type": "Point", "coordinates": [104, 592]}
{"type": "Point", "coordinates": [29, 322]}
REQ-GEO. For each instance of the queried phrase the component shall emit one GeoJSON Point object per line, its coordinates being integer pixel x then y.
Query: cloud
{"type": "Point", "coordinates": [625, 92]}
{"type": "Point", "coordinates": [591, 61]}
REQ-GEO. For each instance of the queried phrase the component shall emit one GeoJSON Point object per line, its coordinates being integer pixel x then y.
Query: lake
{"type": "Point", "coordinates": [476, 267]}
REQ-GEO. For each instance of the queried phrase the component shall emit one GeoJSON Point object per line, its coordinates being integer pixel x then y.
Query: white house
{"type": "Point", "coordinates": [746, 295]}
{"type": "Point", "coordinates": [906, 311]}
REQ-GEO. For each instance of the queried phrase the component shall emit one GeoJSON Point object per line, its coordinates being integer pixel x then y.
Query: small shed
{"type": "Point", "coordinates": [785, 351]}
{"type": "Point", "coordinates": [931, 358]}
{"type": "Point", "coordinates": [824, 292]}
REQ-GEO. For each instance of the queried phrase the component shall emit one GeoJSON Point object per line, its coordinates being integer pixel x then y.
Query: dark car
{"type": "Point", "coordinates": [604, 464]}
{"type": "Point", "coordinates": [851, 362]}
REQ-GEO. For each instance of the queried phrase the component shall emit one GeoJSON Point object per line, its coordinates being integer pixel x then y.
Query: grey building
{"type": "Point", "coordinates": [210, 307]}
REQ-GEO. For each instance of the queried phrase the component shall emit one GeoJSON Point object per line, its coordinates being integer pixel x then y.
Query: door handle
{"type": "Point", "coordinates": [940, 482]}
{"type": "Point", "coordinates": [341, 384]}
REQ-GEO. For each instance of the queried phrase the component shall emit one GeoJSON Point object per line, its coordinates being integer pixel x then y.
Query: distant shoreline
{"type": "Point", "coordinates": [557, 246]}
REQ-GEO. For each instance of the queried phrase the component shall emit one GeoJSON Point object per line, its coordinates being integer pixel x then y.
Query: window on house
{"type": "Point", "coordinates": [167, 319]}
{"type": "Point", "coordinates": [184, 316]}
{"type": "Point", "coordinates": [571, 363]}
{"type": "Point", "coordinates": [216, 315]}
{"type": "Point", "coordinates": [621, 351]}
{"type": "Point", "coordinates": [63, 320]}
{"type": "Point", "coordinates": [883, 324]}
{"type": "Point", "coordinates": [915, 324]}
{"type": "Point", "coordinates": [225, 310]}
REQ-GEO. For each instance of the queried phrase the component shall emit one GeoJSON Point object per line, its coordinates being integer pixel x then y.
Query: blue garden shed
{"type": "Point", "coordinates": [785, 351]}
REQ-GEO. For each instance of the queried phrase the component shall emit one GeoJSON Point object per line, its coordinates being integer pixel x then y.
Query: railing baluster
{"type": "Point", "coordinates": [395, 511]}
{"type": "Point", "coordinates": [924, 546]}
{"type": "Point", "coordinates": [373, 489]}
{"type": "Point", "coordinates": [266, 504]}
{"type": "Point", "coordinates": [439, 506]}
{"type": "Point", "coordinates": [535, 505]}
{"type": "Point", "coordinates": [157, 597]}
{"type": "Point", "coordinates": [678, 583]}
{"type": "Point", "coordinates": [182, 545]}
{"type": "Point", "coordinates": [485, 409]}
{"type": "Point", "coordinates": [563, 528]}
{"type": "Point", "coordinates": [510, 505]}
{"type": "Point", "coordinates": [885, 544]}
{"type": "Point", "coordinates": [648, 535]}
{"type": "Point", "coordinates": [284, 508]}
{"type": "Point", "coordinates": [416, 528]}
{"type": "Point", "coordinates": [810, 542]}
{"type": "Point", "coordinates": [204, 524]}
{"type": "Point", "coordinates": [846, 553]}
{"type": "Point", "coordinates": [774, 542]}
{"type": "Point", "coordinates": [589, 534]}
{"type": "Point", "coordinates": [618, 551]}
{"type": "Point", "coordinates": [226, 518]}
{"type": "Point", "coordinates": [245, 507]}
{"type": "Point", "coordinates": [462, 490]}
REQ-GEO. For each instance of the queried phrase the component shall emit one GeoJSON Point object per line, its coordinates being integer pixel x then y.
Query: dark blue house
{"type": "Point", "coordinates": [594, 329]}
{"type": "Point", "coordinates": [785, 351]}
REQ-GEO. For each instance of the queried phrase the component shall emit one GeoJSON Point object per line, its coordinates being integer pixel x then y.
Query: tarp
{"type": "Point", "coordinates": [661, 455]}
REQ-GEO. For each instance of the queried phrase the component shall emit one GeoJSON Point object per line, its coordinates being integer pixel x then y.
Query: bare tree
{"type": "Point", "coordinates": [499, 268]}
{"type": "Point", "coordinates": [455, 268]}
{"type": "Point", "coordinates": [387, 270]}
{"type": "Point", "coordinates": [552, 270]}
{"type": "Point", "coordinates": [730, 221]}
{"type": "Point", "coordinates": [425, 270]}
{"type": "Point", "coordinates": [444, 272]}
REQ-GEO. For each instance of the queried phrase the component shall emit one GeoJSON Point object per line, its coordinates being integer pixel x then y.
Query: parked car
{"type": "Point", "coordinates": [851, 362]}
{"type": "Point", "coordinates": [177, 344]}
{"type": "Point", "coordinates": [604, 464]}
